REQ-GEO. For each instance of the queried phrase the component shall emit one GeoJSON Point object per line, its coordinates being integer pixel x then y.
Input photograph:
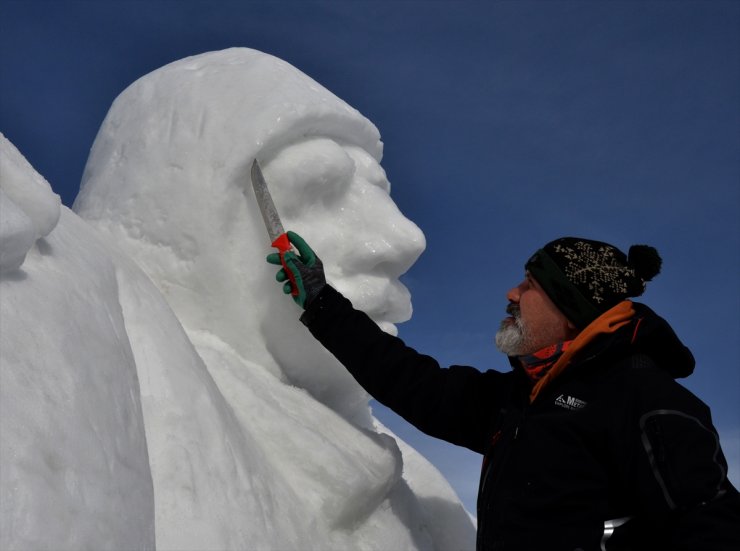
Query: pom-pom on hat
{"type": "Point", "coordinates": [585, 278]}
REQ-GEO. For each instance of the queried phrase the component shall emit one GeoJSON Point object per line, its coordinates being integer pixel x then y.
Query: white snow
{"type": "Point", "coordinates": [28, 207]}
{"type": "Point", "coordinates": [74, 471]}
{"type": "Point", "coordinates": [17, 234]}
{"type": "Point", "coordinates": [157, 386]}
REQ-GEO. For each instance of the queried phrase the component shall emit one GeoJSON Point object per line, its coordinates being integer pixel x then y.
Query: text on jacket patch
{"type": "Point", "coordinates": [569, 402]}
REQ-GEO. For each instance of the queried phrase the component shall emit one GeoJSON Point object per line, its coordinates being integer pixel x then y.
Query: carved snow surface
{"type": "Point", "coordinates": [157, 387]}
{"type": "Point", "coordinates": [29, 209]}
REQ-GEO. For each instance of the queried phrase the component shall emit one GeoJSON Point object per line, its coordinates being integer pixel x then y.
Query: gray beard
{"type": "Point", "coordinates": [511, 337]}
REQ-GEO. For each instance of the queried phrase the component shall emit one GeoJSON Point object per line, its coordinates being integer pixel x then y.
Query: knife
{"type": "Point", "coordinates": [278, 237]}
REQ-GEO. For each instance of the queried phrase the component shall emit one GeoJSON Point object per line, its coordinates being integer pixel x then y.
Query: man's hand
{"type": "Point", "coordinates": [305, 268]}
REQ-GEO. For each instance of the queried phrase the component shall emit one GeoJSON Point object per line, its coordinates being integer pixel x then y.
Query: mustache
{"type": "Point", "coordinates": [513, 310]}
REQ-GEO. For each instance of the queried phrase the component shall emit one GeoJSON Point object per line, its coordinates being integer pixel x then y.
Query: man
{"type": "Point", "coordinates": [588, 443]}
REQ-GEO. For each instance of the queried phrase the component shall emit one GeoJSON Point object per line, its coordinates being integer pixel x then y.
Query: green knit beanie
{"type": "Point", "coordinates": [585, 278]}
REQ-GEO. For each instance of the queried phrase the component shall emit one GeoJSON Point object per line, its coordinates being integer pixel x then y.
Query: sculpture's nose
{"type": "Point", "coordinates": [387, 242]}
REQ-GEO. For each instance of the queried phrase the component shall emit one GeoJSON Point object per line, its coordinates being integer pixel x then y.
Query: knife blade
{"type": "Point", "coordinates": [278, 236]}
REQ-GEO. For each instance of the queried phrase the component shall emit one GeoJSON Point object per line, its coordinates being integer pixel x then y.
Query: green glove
{"type": "Point", "coordinates": [305, 269]}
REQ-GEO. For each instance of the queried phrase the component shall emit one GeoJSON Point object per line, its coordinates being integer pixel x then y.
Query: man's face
{"type": "Point", "coordinates": [534, 322]}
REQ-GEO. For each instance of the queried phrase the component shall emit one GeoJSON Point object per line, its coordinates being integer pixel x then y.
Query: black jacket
{"type": "Point", "coordinates": [613, 454]}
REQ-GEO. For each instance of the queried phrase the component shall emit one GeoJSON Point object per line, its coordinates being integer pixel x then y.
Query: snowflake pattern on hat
{"type": "Point", "coordinates": [584, 278]}
{"type": "Point", "coordinates": [595, 267]}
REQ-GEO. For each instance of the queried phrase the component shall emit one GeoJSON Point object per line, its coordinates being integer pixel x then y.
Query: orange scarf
{"type": "Point", "coordinates": [538, 364]}
{"type": "Point", "coordinates": [608, 322]}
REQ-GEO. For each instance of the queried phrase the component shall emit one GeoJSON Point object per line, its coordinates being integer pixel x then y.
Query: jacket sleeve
{"type": "Point", "coordinates": [679, 470]}
{"type": "Point", "coordinates": [453, 404]}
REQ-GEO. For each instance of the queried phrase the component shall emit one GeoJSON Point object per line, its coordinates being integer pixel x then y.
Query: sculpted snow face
{"type": "Point", "coordinates": [338, 196]}
{"type": "Point", "coordinates": [168, 177]}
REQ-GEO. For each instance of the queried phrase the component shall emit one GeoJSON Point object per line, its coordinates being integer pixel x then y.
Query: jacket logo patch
{"type": "Point", "coordinates": [569, 402]}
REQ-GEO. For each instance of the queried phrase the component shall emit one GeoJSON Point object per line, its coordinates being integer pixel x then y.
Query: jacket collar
{"type": "Point", "coordinates": [609, 322]}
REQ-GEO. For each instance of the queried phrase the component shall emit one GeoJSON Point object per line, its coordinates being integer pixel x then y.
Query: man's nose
{"type": "Point", "coordinates": [513, 294]}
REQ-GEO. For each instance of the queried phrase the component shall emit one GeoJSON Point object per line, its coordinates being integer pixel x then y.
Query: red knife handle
{"type": "Point", "coordinates": [282, 244]}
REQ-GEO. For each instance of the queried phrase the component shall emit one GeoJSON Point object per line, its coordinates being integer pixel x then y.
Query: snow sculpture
{"type": "Point", "coordinates": [168, 180]}
{"type": "Point", "coordinates": [204, 411]}
{"type": "Point", "coordinates": [168, 177]}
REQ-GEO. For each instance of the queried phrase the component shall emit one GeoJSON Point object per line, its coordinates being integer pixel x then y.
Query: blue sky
{"type": "Point", "coordinates": [506, 125]}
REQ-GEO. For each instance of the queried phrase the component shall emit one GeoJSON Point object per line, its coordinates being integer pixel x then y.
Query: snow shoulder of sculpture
{"type": "Point", "coordinates": [157, 390]}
